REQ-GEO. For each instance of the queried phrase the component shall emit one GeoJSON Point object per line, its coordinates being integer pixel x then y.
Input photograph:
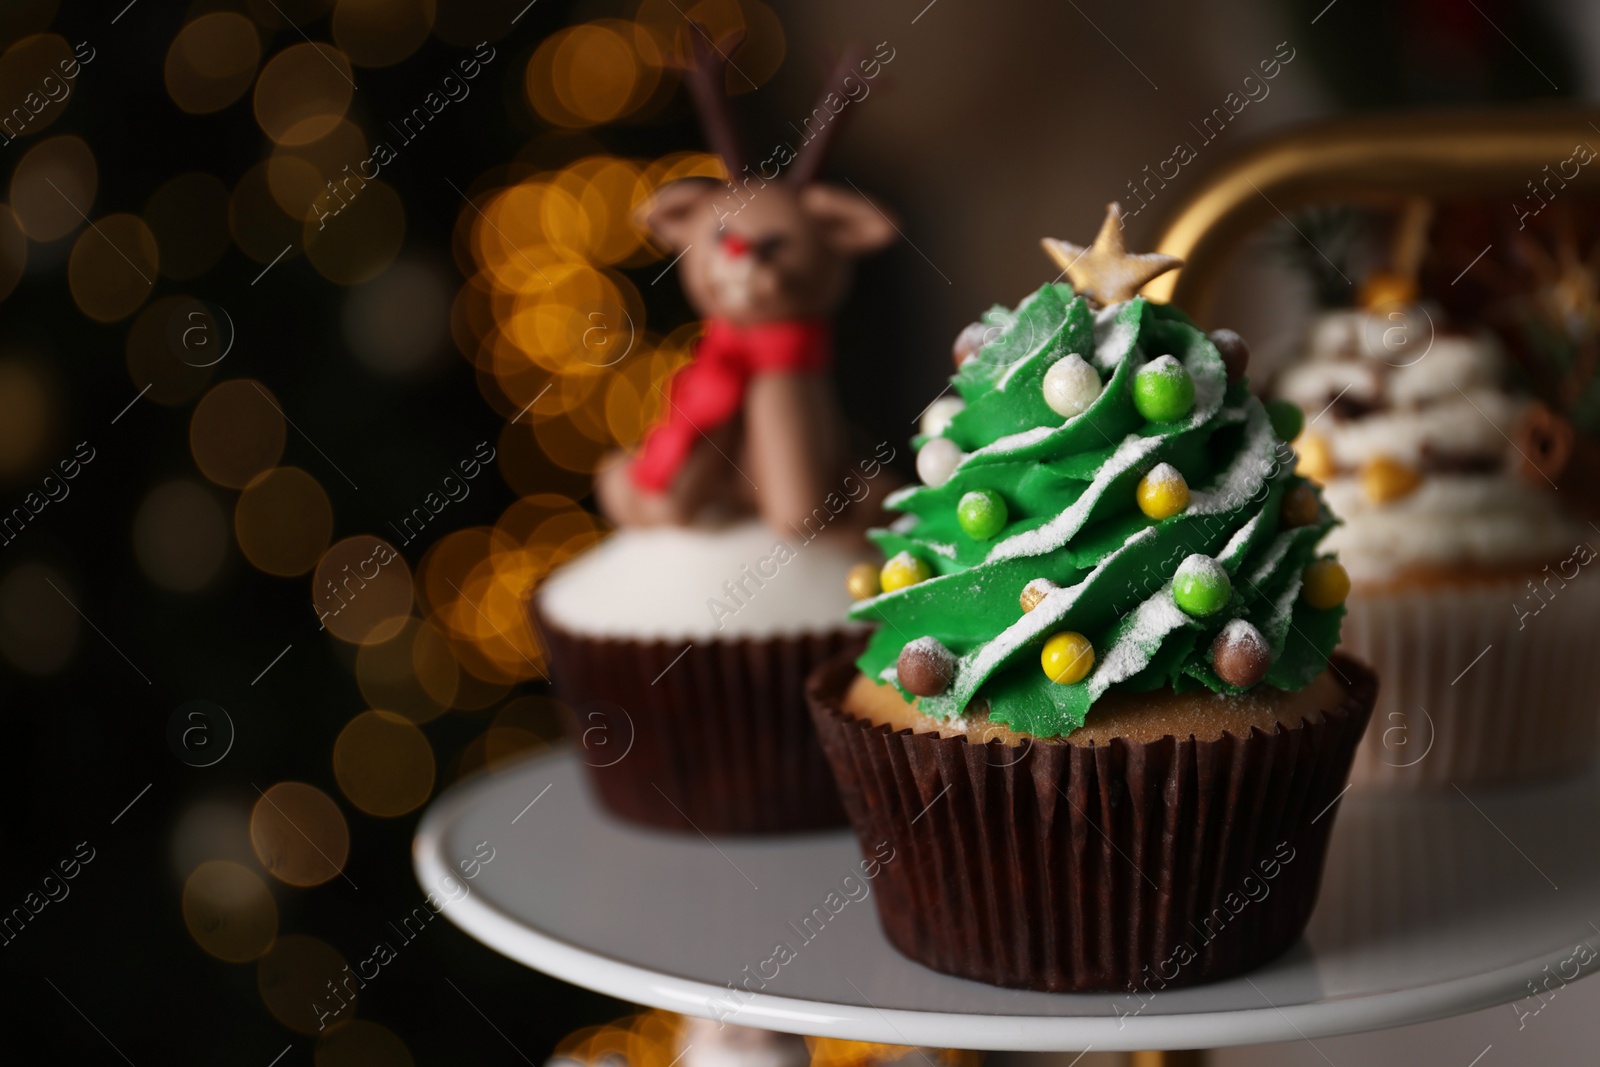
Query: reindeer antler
{"type": "Point", "coordinates": [808, 161]}
{"type": "Point", "coordinates": [707, 78]}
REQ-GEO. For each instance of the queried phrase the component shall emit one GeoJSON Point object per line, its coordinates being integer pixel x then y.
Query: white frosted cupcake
{"type": "Point", "coordinates": [683, 653]}
{"type": "Point", "coordinates": [1471, 596]}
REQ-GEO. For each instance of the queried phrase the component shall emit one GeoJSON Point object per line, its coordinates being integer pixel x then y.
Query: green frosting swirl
{"type": "Point", "coordinates": [1069, 486]}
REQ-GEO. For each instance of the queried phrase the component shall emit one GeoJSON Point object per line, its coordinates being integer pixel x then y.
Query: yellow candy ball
{"type": "Point", "coordinates": [1316, 458]}
{"type": "Point", "coordinates": [862, 581]}
{"type": "Point", "coordinates": [1324, 584]}
{"type": "Point", "coordinates": [1067, 658]}
{"type": "Point", "coordinates": [1162, 493]}
{"type": "Point", "coordinates": [902, 570]}
{"type": "Point", "coordinates": [1384, 479]}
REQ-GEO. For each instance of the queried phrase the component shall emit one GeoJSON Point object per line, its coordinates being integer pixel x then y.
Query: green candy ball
{"type": "Point", "coordinates": [1201, 586]}
{"type": "Point", "coordinates": [982, 514]}
{"type": "Point", "coordinates": [1287, 419]}
{"type": "Point", "coordinates": [1163, 390]}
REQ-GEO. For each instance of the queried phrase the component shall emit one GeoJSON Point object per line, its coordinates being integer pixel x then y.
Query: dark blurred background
{"type": "Point", "coordinates": [273, 364]}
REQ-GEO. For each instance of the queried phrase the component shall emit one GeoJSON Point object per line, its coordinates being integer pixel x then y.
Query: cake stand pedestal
{"type": "Point", "coordinates": [1431, 906]}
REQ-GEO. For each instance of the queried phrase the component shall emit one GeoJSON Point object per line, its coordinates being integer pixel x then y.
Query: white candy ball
{"type": "Point", "coordinates": [938, 460]}
{"type": "Point", "coordinates": [1070, 386]}
{"type": "Point", "coordinates": [939, 414]}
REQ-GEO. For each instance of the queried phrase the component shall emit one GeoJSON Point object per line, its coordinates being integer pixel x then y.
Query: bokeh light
{"type": "Point", "coordinates": [53, 182]}
{"type": "Point", "coordinates": [38, 627]}
{"type": "Point", "coordinates": [189, 216]}
{"type": "Point", "coordinates": [303, 92]}
{"type": "Point", "coordinates": [229, 911]}
{"type": "Point", "coordinates": [32, 77]}
{"type": "Point", "coordinates": [384, 764]}
{"type": "Point", "coordinates": [210, 829]}
{"type": "Point", "coordinates": [293, 976]}
{"type": "Point", "coordinates": [299, 834]}
{"type": "Point", "coordinates": [236, 432]}
{"type": "Point", "coordinates": [361, 1043]}
{"type": "Point", "coordinates": [360, 242]}
{"type": "Point", "coordinates": [212, 61]}
{"type": "Point", "coordinates": [362, 590]}
{"type": "Point", "coordinates": [283, 521]}
{"type": "Point", "coordinates": [28, 409]}
{"type": "Point", "coordinates": [397, 323]}
{"type": "Point", "coordinates": [113, 267]}
{"type": "Point", "coordinates": [165, 355]}
{"type": "Point", "coordinates": [262, 229]}
{"type": "Point", "coordinates": [379, 33]}
{"type": "Point", "coordinates": [412, 673]}
{"type": "Point", "coordinates": [592, 73]}
{"type": "Point", "coordinates": [21, 17]}
{"type": "Point", "coordinates": [180, 535]}
{"type": "Point", "coordinates": [300, 175]}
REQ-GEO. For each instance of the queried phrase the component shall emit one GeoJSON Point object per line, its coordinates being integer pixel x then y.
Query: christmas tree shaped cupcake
{"type": "Point", "coordinates": [1100, 696]}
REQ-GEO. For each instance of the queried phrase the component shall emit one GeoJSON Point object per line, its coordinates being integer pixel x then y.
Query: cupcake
{"type": "Point", "coordinates": [1469, 594]}
{"type": "Point", "coordinates": [1098, 723]}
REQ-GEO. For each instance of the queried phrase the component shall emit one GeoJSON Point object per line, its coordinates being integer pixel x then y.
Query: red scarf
{"type": "Point", "coordinates": [709, 391]}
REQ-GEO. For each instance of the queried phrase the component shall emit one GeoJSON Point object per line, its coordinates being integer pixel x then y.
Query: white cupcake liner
{"type": "Point", "coordinates": [1471, 692]}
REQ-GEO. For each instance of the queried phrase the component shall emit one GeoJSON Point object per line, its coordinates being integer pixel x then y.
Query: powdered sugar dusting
{"type": "Point", "coordinates": [1248, 470]}
{"type": "Point", "coordinates": [1150, 622]}
{"type": "Point", "coordinates": [1166, 477]}
{"type": "Point", "coordinates": [1059, 530]}
{"type": "Point", "coordinates": [1008, 443]}
{"type": "Point", "coordinates": [1113, 335]}
{"type": "Point", "coordinates": [1240, 632]}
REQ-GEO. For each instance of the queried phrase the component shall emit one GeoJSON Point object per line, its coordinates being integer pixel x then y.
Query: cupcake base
{"type": "Point", "coordinates": [712, 739]}
{"type": "Point", "coordinates": [1475, 691]}
{"type": "Point", "coordinates": [1129, 867]}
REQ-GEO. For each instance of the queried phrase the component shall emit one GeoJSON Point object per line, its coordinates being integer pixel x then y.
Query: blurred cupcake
{"type": "Point", "coordinates": [1098, 725]}
{"type": "Point", "coordinates": [1472, 597]}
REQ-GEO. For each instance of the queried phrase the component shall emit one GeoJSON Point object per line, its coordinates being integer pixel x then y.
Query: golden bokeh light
{"type": "Point", "coordinates": [380, 33]}
{"type": "Point", "coordinates": [55, 181]}
{"type": "Point", "coordinates": [303, 92]}
{"type": "Point", "coordinates": [293, 980]}
{"type": "Point", "coordinates": [307, 180]}
{"type": "Point", "coordinates": [361, 240]}
{"type": "Point", "coordinates": [27, 413]}
{"type": "Point", "coordinates": [210, 829]}
{"type": "Point", "coordinates": [397, 323]}
{"type": "Point", "coordinates": [412, 673]}
{"type": "Point", "coordinates": [21, 17]}
{"type": "Point", "coordinates": [13, 251]}
{"type": "Point", "coordinates": [283, 521]}
{"type": "Point", "coordinates": [261, 228]}
{"type": "Point", "coordinates": [593, 73]}
{"type": "Point", "coordinates": [361, 1043]}
{"type": "Point", "coordinates": [34, 83]}
{"type": "Point", "coordinates": [229, 911]}
{"type": "Point", "coordinates": [384, 764]}
{"type": "Point", "coordinates": [189, 216]}
{"type": "Point", "coordinates": [475, 693]}
{"type": "Point", "coordinates": [362, 590]}
{"type": "Point", "coordinates": [113, 267]}
{"type": "Point", "coordinates": [164, 349]}
{"type": "Point", "coordinates": [38, 626]}
{"type": "Point", "coordinates": [299, 834]}
{"type": "Point", "coordinates": [212, 61]}
{"type": "Point", "coordinates": [237, 432]}
{"type": "Point", "coordinates": [180, 536]}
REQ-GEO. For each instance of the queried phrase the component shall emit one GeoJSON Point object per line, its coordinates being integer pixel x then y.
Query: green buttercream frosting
{"type": "Point", "coordinates": [1072, 517]}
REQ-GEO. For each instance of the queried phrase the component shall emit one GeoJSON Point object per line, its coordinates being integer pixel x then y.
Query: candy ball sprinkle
{"type": "Point", "coordinates": [1070, 386]}
{"type": "Point", "coordinates": [1299, 507]}
{"type": "Point", "coordinates": [982, 514]}
{"type": "Point", "coordinates": [1235, 353]}
{"type": "Point", "coordinates": [1201, 586]}
{"type": "Point", "coordinates": [1324, 584]}
{"type": "Point", "coordinates": [1315, 458]}
{"type": "Point", "coordinates": [939, 414]}
{"type": "Point", "coordinates": [1240, 655]}
{"type": "Point", "coordinates": [1036, 591]}
{"type": "Point", "coordinates": [1287, 419]}
{"type": "Point", "coordinates": [902, 570]}
{"type": "Point", "coordinates": [1385, 479]}
{"type": "Point", "coordinates": [1067, 658]}
{"type": "Point", "coordinates": [1163, 390]}
{"type": "Point", "coordinates": [938, 460]}
{"type": "Point", "coordinates": [1162, 493]}
{"type": "Point", "coordinates": [925, 667]}
{"type": "Point", "coordinates": [862, 581]}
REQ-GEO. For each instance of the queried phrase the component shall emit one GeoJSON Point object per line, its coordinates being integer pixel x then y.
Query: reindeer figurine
{"type": "Point", "coordinates": [765, 264]}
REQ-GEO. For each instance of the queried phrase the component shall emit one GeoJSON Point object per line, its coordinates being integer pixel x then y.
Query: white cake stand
{"type": "Point", "coordinates": [1430, 907]}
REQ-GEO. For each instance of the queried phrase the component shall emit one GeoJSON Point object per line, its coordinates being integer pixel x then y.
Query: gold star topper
{"type": "Point", "coordinates": [1106, 271]}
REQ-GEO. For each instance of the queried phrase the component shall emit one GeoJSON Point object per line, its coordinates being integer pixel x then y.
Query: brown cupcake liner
{"type": "Point", "coordinates": [1127, 867]}
{"type": "Point", "coordinates": [1473, 695]}
{"type": "Point", "coordinates": [710, 736]}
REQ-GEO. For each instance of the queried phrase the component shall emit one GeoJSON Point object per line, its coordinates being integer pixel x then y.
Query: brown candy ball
{"type": "Point", "coordinates": [1299, 507]}
{"type": "Point", "coordinates": [1240, 655]}
{"type": "Point", "coordinates": [968, 341]}
{"type": "Point", "coordinates": [1235, 353]}
{"type": "Point", "coordinates": [925, 667]}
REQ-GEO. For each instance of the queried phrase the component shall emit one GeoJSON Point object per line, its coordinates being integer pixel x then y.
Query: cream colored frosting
{"type": "Point", "coordinates": [744, 580]}
{"type": "Point", "coordinates": [1435, 402]}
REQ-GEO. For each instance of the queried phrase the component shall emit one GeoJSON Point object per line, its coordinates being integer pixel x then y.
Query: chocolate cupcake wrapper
{"type": "Point", "coordinates": [1123, 867]}
{"type": "Point", "coordinates": [711, 738]}
{"type": "Point", "coordinates": [1473, 695]}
